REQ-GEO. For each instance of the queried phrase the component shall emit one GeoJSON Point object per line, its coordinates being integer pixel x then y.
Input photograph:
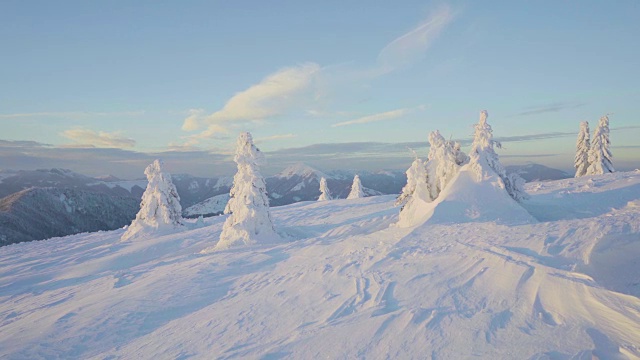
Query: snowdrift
{"type": "Point", "coordinates": [467, 200]}
{"type": "Point", "coordinates": [345, 284]}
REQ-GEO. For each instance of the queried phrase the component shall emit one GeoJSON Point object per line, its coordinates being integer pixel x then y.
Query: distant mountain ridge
{"type": "Point", "coordinates": [198, 195]}
{"type": "Point", "coordinates": [537, 172]}
{"type": "Point", "coordinates": [41, 213]}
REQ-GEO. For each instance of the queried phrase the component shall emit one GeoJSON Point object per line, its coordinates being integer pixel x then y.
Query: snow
{"type": "Point", "coordinates": [562, 283]}
{"type": "Point", "coordinates": [250, 220]}
{"type": "Point", "coordinates": [125, 184]}
{"type": "Point", "coordinates": [583, 144]}
{"type": "Point", "coordinates": [160, 208]}
{"type": "Point", "coordinates": [325, 193]}
{"type": "Point", "coordinates": [223, 182]}
{"type": "Point", "coordinates": [357, 191]}
{"type": "Point", "coordinates": [213, 205]}
{"type": "Point", "coordinates": [302, 170]}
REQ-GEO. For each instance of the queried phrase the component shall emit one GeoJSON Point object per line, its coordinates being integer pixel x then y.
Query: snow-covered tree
{"type": "Point", "coordinates": [160, 205]}
{"type": "Point", "coordinates": [484, 160]}
{"type": "Point", "coordinates": [445, 158]}
{"type": "Point", "coordinates": [415, 174]}
{"type": "Point", "coordinates": [600, 158]}
{"type": "Point", "coordinates": [325, 194]}
{"type": "Point", "coordinates": [356, 189]}
{"type": "Point", "coordinates": [460, 156]}
{"type": "Point", "coordinates": [249, 221]}
{"type": "Point", "coordinates": [436, 143]}
{"type": "Point", "coordinates": [583, 145]}
{"type": "Point", "coordinates": [415, 195]}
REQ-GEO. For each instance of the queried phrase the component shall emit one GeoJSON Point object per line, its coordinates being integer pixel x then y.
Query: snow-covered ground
{"type": "Point", "coordinates": [346, 284]}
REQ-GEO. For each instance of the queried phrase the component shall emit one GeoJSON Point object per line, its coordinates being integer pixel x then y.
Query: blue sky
{"type": "Point", "coordinates": [102, 87]}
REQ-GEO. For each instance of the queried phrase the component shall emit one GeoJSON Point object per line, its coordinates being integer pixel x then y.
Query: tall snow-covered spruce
{"type": "Point", "coordinates": [582, 150]}
{"type": "Point", "coordinates": [356, 189]}
{"type": "Point", "coordinates": [325, 194]}
{"type": "Point", "coordinates": [160, 206]}
{"type": "Point", "coordinates": [415, 195]}
{"type": "Point", "coordinates": [445, 158]}
{"type": "Point", "coordinates": [416, 174]}
{"type": "Point", "coordinates": [483, 160]}
{"type": "Point", "coordinates": [249, 221]}
{"type": "Point", "coordinates": [600, 158]}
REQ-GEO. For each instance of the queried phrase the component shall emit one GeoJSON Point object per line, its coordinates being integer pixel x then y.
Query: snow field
{"type": "Point", "coordinates": [562, 282]}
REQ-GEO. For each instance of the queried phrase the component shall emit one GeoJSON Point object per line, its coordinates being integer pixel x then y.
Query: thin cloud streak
{"type": "Point", "coordinates": [98, 139]}
{"type": "Point", "coordinates": [413, 45]}
{"type": "Point", "coordinates": [393, 114]}
{"type": "Point", "coordinates": [274, 137]}
{"type": "Point", "coordinates": [554, 107]}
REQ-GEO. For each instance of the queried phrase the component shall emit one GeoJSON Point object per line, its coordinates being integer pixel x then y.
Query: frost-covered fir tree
{"type": "Point", "coordinates": [249, 221]}
{"type": "Point", "coordinates": [325, 194]}
{"type": "Point", "coordinates": [356, 189]}
{"type": "Point", "coordinates": [483, 159]}
{"type": "Point", "coordinates": [600, 158]}
{"type": "Point", "coordinates": [160, 205]}
{"type": "Point", "coordinates": [416, 175]}
{"type": "Point", "coordinates": [583, 145]}
{"type": "Point", "coordinates": [436, 143]}
{"type": "Point", "coordinates": [415, 195]}
{"type": "Point", "coordinates": [445, 159]}
{"type": "Point", "coordinates": [460, 156]}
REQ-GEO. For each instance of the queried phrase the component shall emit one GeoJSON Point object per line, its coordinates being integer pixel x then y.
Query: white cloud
{"type": "Point", "coordinates": [388, 115]}
{"type": "Point", "coordinates": [275, 95]}
{"type": "Point", "coordinates": [99, 139]}
{"type": "Point", "coordinates": [274, 137]}
{"type": "Point", "coordinates": [271, 97]}
{"type": "Point", "coordinates": [413, 45]}
{"type": "Point", "coordinates": [192, 122]}
{"type": "Point", "coordinates": [213, 131]}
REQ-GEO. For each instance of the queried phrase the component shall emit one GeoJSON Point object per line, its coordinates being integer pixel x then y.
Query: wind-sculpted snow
{"type": "Point", "coordinates": [345, 284]}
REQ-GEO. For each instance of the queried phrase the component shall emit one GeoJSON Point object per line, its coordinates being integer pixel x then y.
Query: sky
{"type": "Point", "coordinates": [106, 87]}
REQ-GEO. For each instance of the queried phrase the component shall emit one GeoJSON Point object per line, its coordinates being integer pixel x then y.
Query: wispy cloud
{"type": "Point", "coordinates": [393, 114]}
{"type": "Point", "coordinates": [413, 45]}
{"type": "Point", "coordinates": [192, 122]}
{"type": "Point", "coordinates": [275, 95]}
{"type": "Point", "coordinates": [99, 139]}
{"type": "Point", "coordinates": [71, 114]}
{"type": "Point", "coordinates": [274, 137]}
{"type": "Point", "coordinates": [553, 107]}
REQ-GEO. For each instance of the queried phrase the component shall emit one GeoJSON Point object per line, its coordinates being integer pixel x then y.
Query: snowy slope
{"type": "Point", "coordinates": [345, 285]}
{"type": "Point", "coordinates": [212, 206]}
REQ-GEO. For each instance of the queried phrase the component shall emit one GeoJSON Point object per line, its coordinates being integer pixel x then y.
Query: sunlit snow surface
{"type": "Point", "coordinates": [345, 285]}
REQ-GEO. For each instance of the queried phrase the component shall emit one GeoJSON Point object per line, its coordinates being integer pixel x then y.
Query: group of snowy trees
{"type": "Point", "coordinates": [249, 219]}
{"type": "Point", "coordinates": [427, 179]}
{"type": "Point", "coordinates": [593, 157]}
{"type": "Point", "coordinates": [356, 192]}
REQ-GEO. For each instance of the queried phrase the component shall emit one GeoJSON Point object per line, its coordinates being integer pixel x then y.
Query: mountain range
{"type": "Point", "coordinates": [24, 215]}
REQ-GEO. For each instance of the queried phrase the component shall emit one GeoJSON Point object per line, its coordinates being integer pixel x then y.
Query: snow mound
{"type": "Point", "coordinates": [467, 200]}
